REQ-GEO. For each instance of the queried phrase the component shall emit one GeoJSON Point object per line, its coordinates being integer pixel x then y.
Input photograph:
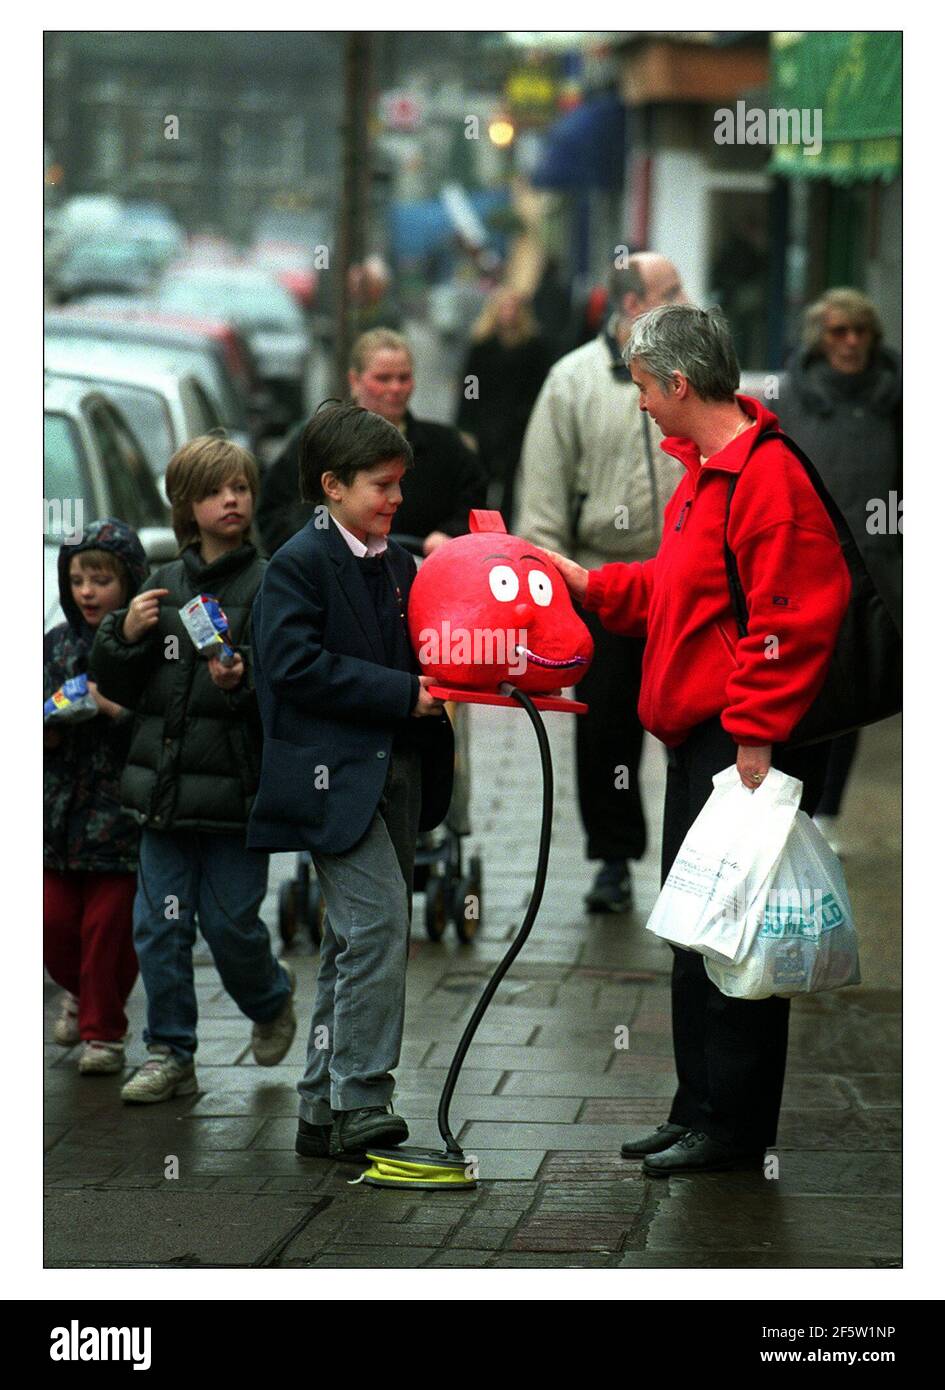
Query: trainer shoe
{"type": "Point", "coordinates": [161, 1077]}
{"type": "Point", "coordinates": [311, 1141]}
{"type": "Point", "coordinates": [66, 1026]}
{"type": "Point", "coordinates": [102, 1058]}
{"type": "Point", "coordinates": [374, 1127]}
{"type": "Point", "coordinates": [272, 1040]}
{"type": "Point", "coordinates": [612, 890]}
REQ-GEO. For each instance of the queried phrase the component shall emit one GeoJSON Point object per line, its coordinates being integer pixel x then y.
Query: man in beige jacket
{"type": "Point", "coordinates": [593, 486]}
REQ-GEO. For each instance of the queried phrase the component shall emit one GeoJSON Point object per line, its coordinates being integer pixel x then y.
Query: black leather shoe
{"type": "Point", "coordinates": [612, 890]}
{"type": "Point", "coordinates": [311, 1141]}
{"type": "Point", "coordinates": [374, 1127]}
{"type": "Point", "coordinates": [697, 1153]}
{"type": "Point", "coordinates": [662, 1138]}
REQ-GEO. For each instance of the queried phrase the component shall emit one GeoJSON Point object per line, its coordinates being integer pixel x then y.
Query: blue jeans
{"type": "Point", "coordinates": [190, 876]}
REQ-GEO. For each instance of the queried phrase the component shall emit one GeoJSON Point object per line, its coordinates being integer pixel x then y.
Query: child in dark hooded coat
{"type": "Point", "coordinates": [90, 845]}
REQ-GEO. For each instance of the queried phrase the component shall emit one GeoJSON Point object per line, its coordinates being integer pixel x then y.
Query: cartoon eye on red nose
{"type": "Point", "coordinates": [539, 586]}
{"type": "Point", "coordinates": [503, 581]}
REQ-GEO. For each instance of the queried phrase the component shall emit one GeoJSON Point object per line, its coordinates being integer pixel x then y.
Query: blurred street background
{"type": "Point", "coordinates": [224, 213]}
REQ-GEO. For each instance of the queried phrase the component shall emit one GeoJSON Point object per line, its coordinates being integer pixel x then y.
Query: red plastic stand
{"type": "Point", "coordinates": [553, 703]}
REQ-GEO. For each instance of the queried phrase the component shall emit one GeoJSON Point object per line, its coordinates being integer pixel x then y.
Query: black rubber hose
{"type": "Point", "coordinates": [541, 870]}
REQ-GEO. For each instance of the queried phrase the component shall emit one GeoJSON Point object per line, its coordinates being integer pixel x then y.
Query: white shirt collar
{"type": "Point", "coordinates": [376, 545]}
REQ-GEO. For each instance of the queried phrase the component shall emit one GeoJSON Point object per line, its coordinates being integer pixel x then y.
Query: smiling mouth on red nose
{"type": "Point", "coordinates": [548, 661]}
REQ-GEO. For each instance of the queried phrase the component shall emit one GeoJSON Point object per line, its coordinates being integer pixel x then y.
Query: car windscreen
{"type": "Point", "coordinates": [147, 414]}
{"type": "Point", "coordinates": [67, 488]}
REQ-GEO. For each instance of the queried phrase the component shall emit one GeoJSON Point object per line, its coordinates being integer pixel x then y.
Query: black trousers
{"type": "Point", "coordinates": [609, 744]}
{"type": "Point", "coordinates": [839, 762]}
{"type": "Point", "coordinates": [730, 1053]}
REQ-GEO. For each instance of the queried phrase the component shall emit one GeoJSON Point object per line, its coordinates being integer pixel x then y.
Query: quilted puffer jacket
{"type": "Point", "coordinates": [195, 749]}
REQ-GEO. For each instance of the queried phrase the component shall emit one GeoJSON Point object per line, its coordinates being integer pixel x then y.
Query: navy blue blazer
{"type": "Point", "coordinates": [329, 703]}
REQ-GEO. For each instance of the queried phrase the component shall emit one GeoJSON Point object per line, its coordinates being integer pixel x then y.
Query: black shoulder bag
{"type": "Point", "coordinates": [864, 678]}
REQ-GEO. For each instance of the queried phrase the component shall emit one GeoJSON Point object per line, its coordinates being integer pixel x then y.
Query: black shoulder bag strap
{"type": "Point", "coordinates": [864, 679]}
{"type": "Point", "coordinates": [736, 592]}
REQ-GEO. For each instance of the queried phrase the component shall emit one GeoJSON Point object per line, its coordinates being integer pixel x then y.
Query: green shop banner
{"type": "Point", "coordinates": [854, 82]}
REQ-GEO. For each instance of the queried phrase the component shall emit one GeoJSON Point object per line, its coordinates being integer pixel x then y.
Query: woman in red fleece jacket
{"type": "Point", "coordinates": [716, 698]}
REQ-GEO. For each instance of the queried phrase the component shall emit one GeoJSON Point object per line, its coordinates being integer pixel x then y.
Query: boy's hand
{"type": "Point", "coordinates": [572, 573]}
{"type": "Point", "coordinates": [143, 613]}
{"type": "Point", "coordinates": [106, 706]}
{"type": "Point", "coordinates": [226, 677]}
{"type": "Point", "coordinates": [426, 704]}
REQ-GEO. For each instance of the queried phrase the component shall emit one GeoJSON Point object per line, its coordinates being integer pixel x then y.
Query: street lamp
{"type": "Point", "coordinates": [501, 131]}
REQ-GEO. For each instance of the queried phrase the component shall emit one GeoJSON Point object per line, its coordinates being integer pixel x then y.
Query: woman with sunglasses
{"type": "Point", "coordinates": [842, 402]}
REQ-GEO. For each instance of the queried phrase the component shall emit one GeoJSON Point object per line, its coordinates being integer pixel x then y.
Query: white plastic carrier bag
{"type": "Point", "coordinates": [806, 941]}
{"type": "Point", "coordinates": [711, 899]}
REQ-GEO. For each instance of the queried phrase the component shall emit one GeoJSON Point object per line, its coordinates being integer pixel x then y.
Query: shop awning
{"type": "Point", "coordinates": [585, 148]}
{"type": "Point", "coordinates": [855, 81]}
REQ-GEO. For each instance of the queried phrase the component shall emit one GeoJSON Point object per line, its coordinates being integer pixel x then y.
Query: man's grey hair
{"type": "Point", "coordinates": [697, 343]}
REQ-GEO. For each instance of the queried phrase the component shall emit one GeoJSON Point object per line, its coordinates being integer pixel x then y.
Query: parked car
{"type": "Point", "coordinates": [103, 265]}
{"type": "Point", "coordinates": [214, 352]}
{"type": "Point", "coordinates": [153, 228]}
{"type": "Point", "coordinates": [93, 467]}
{"type": "Point", "coordinates": [267, 314]}
{"type": "Point", "coordinates": [163, 407]}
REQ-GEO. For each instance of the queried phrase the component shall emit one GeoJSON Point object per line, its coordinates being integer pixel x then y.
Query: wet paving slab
{"type": "Point", "coordinates": [574, 1056]}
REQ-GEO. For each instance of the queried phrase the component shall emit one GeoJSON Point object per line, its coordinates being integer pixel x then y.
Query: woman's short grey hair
{"type": "Point", "coordinates": [697, 343]}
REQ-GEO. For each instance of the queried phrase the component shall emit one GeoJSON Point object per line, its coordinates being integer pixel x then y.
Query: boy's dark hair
{"type": "Point", "coordinates": [346, 440]}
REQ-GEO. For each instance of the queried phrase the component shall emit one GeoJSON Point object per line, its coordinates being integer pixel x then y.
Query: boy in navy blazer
{"type": "Point", "coordinates": [358, 757]}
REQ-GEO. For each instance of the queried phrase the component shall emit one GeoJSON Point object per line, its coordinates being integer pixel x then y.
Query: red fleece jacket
{"type": "Point", "coordinates": [796, 583]}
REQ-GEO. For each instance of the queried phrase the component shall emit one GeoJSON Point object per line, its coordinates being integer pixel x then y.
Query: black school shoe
{"type": "Point", "coordinates": [612, 889]}
{"type": "Point", "coordinates": [311, 1141]}
{"type": "Point", "coordinates": [374, 1127]}
{"type": "Point", "coordinates": [697, 1153]}
{"type": "Point", "coordinates": [663, 1137]}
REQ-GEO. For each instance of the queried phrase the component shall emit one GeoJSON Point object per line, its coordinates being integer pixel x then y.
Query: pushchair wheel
{"type": "Point", "coordinates": [288, 916]}
{"type": "Point", "coordinates": [315, 912]}
{"type": "Point", "coordinates": [436, 916]}
{"type": "Point", "coordinates": [301, 906]}
{"type": "Point", "coordinates": [467, 901]}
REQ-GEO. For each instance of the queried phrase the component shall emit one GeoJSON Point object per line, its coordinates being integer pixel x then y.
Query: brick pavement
{"type": "Point", "coordinates": [544, 1100]}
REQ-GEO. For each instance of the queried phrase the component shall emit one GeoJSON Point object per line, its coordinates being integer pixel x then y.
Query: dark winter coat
{"type": "Point", "coordinates": [507, 380]}
{"type": "Point", "coordinates": [445, 483]}
{"type": "Point", "coordinates": [851, 427]}
{"type": "Point", "coordinates": [84, 827]}
{"type": "Point", "coordinates": [195, 750]}
{"type": "Point", "coordinates": [334, 694]}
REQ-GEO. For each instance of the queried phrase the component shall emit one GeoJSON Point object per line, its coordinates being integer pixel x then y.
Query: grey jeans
{"type": "Point", "coordinates": [358, 1022]}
